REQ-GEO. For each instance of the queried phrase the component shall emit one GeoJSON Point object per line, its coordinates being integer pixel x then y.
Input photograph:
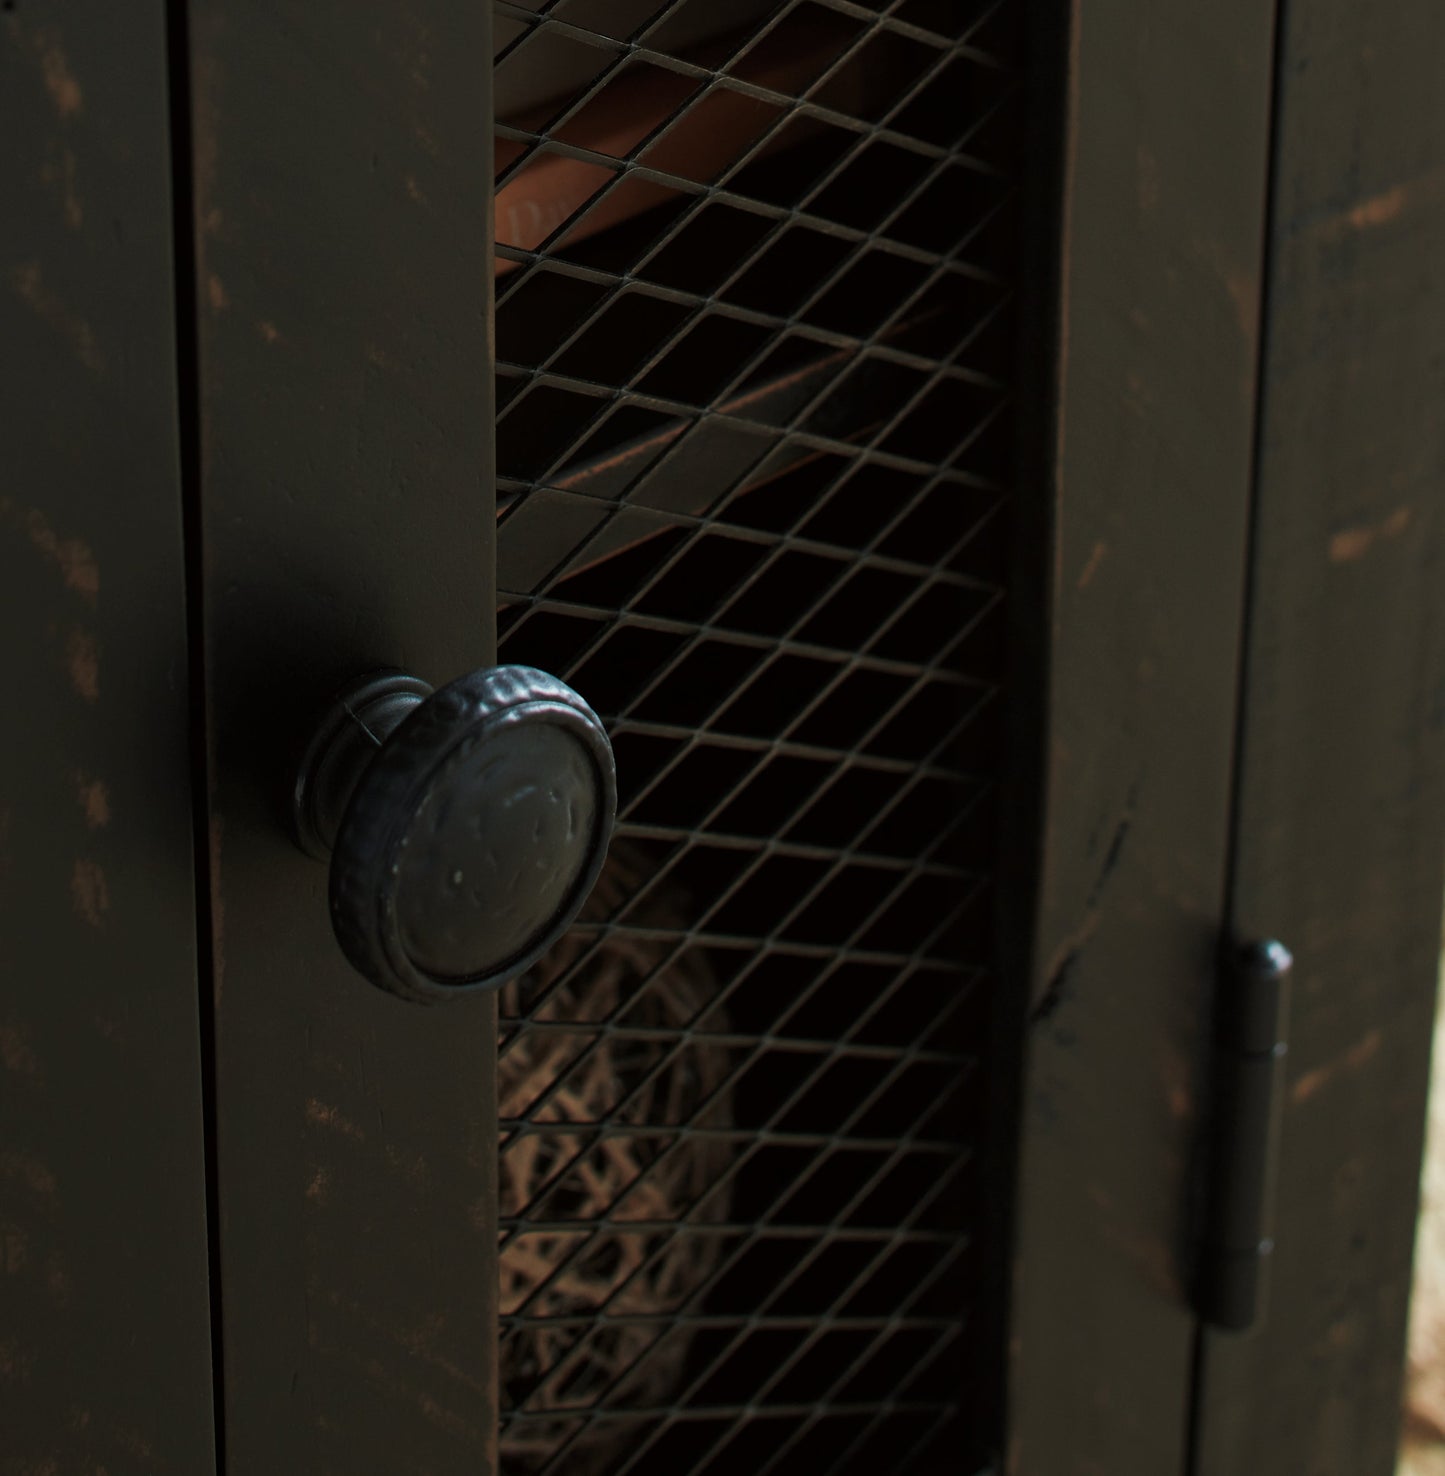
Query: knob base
{"type": "Point", "coordinates": [362, 717]}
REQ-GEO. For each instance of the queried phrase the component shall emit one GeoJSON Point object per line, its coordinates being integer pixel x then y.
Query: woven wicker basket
{"type": "Point", "coordinates": [580, 1174]}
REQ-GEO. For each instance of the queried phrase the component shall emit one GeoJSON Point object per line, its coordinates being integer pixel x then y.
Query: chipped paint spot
{"type": "Point", "coordinates": [58, 176]}
{"type": "Point", "coordinates": [90, 891]}
{"type": "Point", "coordinates": [206, 92]}
{"type": "Point", "coordinates": [324, 1114]}
{"type": "Point", "coordinates": [82, 661]}
{"type": "Point", "coordinates": [268, 331]}
{"type": "Point", "coordinates": [14, 1364]}
{"type": "Point", "coordinates": [133, 1442]}
{"type": "Point", "coordinates": [31, 289]}
{"type": "Point", "coordinates": [58, 1284]}
{"type": "Point", "coordinates": [318, 1189]}
{"type": "Point", "coordinates": [1360, 1054]}
{"type": "Point", "coordinates": [94, 801]}
{"type": "Point", "coordinates": [28, 1171]}
{"type": "Point", "coordinates": [1240, 286]}
{"type": "Point", "coordinates": [444, 1418]}
{"type": "Point", "coordinates": [1340, 1335]}
{"type": "Point", "coordinates": [1138, 398]}
{"type": "Point", "coordinates": [1243, 294]}
{"type": "Point", "coordinates": [431, 1409]}
{"type": "Point", "coordinates": [15, 1051]}
{"type": "Point", "coordinates": [1175, 1073]}
{"type": "Point", "coordinates": [76, 560]}
{"type": "Point", "coordinates": [1384, 208]}
{"type": "Point", "coordinates": [1378, 210]}
{"type": "Point", "coordinates": [59, 80]}
{"type": "Point", "coordinates": [1151, 1257]}
{"type": "Point", "coordinates": [14, 1249]}
{"type": "Point", "coordinates": [379, 356]}
{"type": "Point", "coordinates": [1310, 1083]}
{"type": "Point", "coordinates": [1354, 543]}
{"type": "Point", "coordinates": [107, 1026]}
{"type": "Point", "coordinates": [1096, 557]}
{"type": "Point", "coordinates": [413, 1165]}
{"type": "Point", "coordinates": [1364, 1050]}
{"type": "Point", "coordinates": [414, 190]}
{"type": "Point", "coordinates": [216, 293]}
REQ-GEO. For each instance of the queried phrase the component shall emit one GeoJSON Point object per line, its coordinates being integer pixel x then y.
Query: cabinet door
{"type": "Point", "coordinates": [783, 604]}
{"type": "Point", "coordinates": [340, 461]}
{"type": "Point", "coordinates": [105, 1350]}
{"type": "Point", "coordinates": [1341, 798]}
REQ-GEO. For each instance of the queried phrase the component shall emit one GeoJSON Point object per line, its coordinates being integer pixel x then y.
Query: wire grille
{"type": "Point", "coordinates": [755, 349]}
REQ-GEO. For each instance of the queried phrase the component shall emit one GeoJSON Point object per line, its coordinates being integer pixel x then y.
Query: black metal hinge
{"type": "Point", "coordinates": [1243, 1149]}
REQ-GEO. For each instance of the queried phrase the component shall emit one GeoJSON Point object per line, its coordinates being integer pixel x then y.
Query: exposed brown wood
{"type": "Point", "coordinates": [1342, 800]}
{"type": "Point", "coordinates": [538, 73]}
{"type": "Point", "coordinates": [105, 1352]}
{"type": "Point", "coordinates": [850, 415]}
{"type": "Point", "coordinates": [713, 133]}
{"type": "Point", "coordinates": [1161, 241]}
{"type": "Point", "coordinates": [342, 210]}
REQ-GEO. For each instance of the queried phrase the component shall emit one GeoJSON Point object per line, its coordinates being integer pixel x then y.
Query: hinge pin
{"type": "Point", "coordinates": [1249, 1050]}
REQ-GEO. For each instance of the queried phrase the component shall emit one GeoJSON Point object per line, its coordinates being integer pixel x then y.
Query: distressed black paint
{"type": "Point", "coordinates": [1160, 238]}
{"type": "Point", "coordinates": [341, 158]}
{"type": "Point", "coordinates": [1342, 795]}
{"type": "Point", "coordinates": [104, 1342]}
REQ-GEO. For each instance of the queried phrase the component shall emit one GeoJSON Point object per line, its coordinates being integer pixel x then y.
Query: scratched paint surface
{"type": "Point", "coordinates": [1160, 267]}
{"type": "Point", "coordinates": [341, 210]}
{"type": "Point", "coordinates": [1342, 758]}
{"type": "Point", "coordinates": [104, 1338]}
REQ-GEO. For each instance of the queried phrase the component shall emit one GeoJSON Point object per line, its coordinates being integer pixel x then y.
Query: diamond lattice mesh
{"type": "Point", "coordinates": [754, 358]}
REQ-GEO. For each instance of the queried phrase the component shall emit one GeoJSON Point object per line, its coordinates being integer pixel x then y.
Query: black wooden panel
{"type": "Point", "coordinates": [1342, 800]}
{"type": "Point", "coordinates": [104, 1322]}
{"type": "Point", "coordinates": [342, 158]}
{"type": "Point", "coordinates": [1160, 241]}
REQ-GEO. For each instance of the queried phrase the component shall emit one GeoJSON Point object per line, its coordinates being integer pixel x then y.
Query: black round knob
{"type": "Point", "coordinates": [466, 826]}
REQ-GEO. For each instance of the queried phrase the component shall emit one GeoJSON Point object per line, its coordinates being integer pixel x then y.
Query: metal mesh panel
{"type": "Point", "coordinates": [754, 355]}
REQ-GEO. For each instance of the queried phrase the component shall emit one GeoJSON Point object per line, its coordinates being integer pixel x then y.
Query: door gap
{"type": "Point", "coordinates": [188, 398]}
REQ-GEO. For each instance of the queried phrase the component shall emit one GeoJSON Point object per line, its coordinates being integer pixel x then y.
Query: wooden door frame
{"type": "Point", "coordinates": [1144, 442]}
{"type": "Point", "coordinates": [1340, 817]}
{"type": "Point", "coordinates": [1287, 393]}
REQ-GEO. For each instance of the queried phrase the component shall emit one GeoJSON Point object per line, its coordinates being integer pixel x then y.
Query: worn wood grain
{"type": "Point", "coordinates": [342, 166]}
{"type": "Point", "coordinates": [1341, 824]}
{"type": "Point", "coordinates": [1160, 262]}
{"type": "Point", "coordinates": [105, 1353]}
